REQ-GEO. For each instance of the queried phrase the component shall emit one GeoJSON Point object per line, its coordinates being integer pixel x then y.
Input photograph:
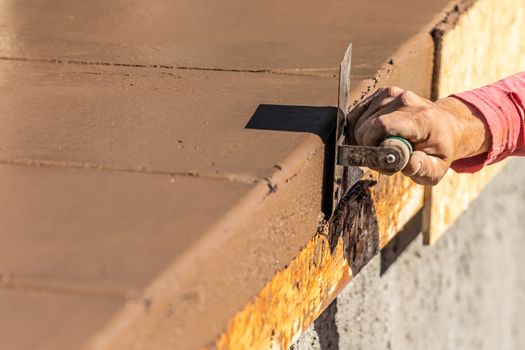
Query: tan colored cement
{"type": "Point", "coordinates": [213, 243]}
{"type": "Point", "coordinates": [231, 34]}
{"type": "Point", "coordinates": [99, 232]}
{"type": "Point", "coordinates": [199, 294]}
{"type": "Point", "coordinates": [154, 119]}
{"type": "Point", "coordinates": [39, 320]}
{"type": "Point", "coordinates": [261, 239]}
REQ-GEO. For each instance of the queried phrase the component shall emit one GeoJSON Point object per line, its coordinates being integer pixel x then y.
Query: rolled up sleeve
{"type": "Point", "coordinates": [502, 106]}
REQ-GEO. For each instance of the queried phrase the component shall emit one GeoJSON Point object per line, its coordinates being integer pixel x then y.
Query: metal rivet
{"type": "Point", "coordinates": [390, 158]}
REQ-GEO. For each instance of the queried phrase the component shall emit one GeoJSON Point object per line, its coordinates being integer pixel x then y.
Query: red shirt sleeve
{"type": "Point", "coordinates": [502, 104]}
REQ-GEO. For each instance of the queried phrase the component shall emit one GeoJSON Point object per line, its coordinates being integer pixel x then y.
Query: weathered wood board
{"type": "Point", "coordinates": [373, 212]}
{"type": "Point", "coordinates": [480, 42]}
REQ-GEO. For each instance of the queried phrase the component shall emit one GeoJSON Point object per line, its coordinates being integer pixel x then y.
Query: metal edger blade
{"type": "Point", "coordinates": [342, 113]}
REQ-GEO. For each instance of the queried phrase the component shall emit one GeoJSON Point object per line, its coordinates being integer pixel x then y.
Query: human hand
{"type": "Point", "coordinates": [440, 132]}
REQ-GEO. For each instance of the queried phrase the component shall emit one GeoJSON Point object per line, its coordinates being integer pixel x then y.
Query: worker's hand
{"type": "Point", "coordinates": [440, 132]}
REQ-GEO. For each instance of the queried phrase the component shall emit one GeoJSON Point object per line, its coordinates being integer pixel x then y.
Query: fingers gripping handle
{"type": "Point", "coordinates": [396, 160]}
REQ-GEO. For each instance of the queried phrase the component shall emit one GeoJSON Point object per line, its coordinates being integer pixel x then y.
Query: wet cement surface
{"type": "Point", "coordinates": [122, 163]}
{"type": "Point", "coordinates": [47, 321]}
{"type": "Point", "coordinates": [206, 123]}
{"type": "Point", "coordinates": [232, 34]}
{"type": "Point", "coordinates": [101, 232]}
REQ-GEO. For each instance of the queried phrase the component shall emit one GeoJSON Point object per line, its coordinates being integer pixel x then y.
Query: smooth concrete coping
{"type": "Point", "coordinates": [161, 160]}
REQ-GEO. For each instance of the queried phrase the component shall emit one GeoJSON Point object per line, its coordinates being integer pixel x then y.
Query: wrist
{"type": "Point", "coordinates": [472, 134]}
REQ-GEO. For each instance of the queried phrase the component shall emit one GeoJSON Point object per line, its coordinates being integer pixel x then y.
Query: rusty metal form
{"type": "Point", "coordinates": [368, 217]}
{"type": "Point", "coordinates": [498, 29]}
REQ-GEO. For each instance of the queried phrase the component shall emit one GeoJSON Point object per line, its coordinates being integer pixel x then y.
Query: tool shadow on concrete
{"type": "Point", "coordinates": [302, 119]}
{"type": "Point", "coordinates": [310, 119]}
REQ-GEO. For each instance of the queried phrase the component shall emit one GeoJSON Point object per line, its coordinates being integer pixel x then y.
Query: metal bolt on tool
{"type": "Point", "coordinates": [390, 158]}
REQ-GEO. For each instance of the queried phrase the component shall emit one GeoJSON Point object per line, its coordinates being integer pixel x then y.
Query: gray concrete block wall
{"type": "Point", "coordinates": [465, 292]}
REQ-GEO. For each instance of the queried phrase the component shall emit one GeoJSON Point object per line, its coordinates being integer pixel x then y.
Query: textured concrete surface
{"type": "Point", "coordinates": [134, 173]}
{"type": "Point", "coordinates": [465, 292]}
{"type": "Point", "coordinates": [233, 34]}
{"type": "Point", "coordinates": [235, 126]}
{"type": "Point", "coordinates": [41, 319]}
{"type": "Point", "coordinates": [104, 232]}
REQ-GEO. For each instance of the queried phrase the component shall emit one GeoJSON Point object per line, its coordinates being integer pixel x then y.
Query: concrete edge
{"type": "Point", "coordinates": [163, 285]}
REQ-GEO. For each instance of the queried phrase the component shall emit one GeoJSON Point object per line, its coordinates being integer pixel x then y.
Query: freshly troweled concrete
{"type": "Point", "coordinates": [465, 292]}
{"type": "Point", "coordinates": [100, 232]}
{"type": "Point", "coordinates": [160, 120]}
{"type": "Point", "coordinates": [233, 34]}
{"type": "Point", "coordinates": [37, 318]}
{"type": "Point", "coordinates": [145, 175]}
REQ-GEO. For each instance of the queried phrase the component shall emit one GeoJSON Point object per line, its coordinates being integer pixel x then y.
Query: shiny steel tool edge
{"type": "Point", "coordinates": [342, 114]}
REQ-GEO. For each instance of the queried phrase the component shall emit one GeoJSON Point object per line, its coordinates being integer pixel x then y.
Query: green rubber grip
{"type": "Point", "coordinates": [405, 141]}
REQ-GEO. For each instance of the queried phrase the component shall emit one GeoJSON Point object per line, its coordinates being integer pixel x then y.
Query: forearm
{"type": "Point", "coordinates": [471, 122]}
{"type": "Point", "coordinates": [501, 106]}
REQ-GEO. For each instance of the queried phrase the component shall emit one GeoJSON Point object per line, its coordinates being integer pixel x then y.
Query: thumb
{"type": "Point", "coordinates": [425, 169]}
